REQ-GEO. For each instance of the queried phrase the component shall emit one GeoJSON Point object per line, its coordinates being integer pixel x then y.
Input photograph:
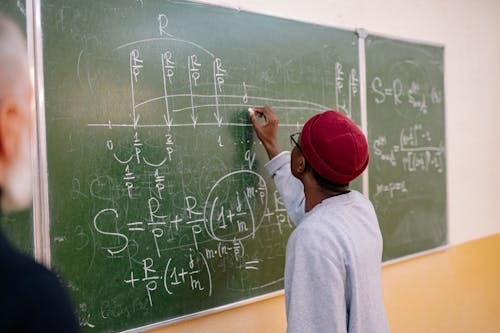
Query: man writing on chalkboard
{"type": "Point", "coordinates": [32, 299]}
{"type": "Point", "coordinates": [333, 257]}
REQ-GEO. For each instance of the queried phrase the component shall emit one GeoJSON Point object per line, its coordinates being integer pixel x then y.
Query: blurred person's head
{"type": "Point", "coordinates": [15, 119]}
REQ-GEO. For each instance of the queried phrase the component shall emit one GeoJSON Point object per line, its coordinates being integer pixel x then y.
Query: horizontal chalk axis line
{"type": "Point", "coordinates": [184, 125]}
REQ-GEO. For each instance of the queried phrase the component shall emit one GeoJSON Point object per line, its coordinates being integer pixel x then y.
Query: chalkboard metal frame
{"type": "Point", "coordinates": [206, 312]}
{"type": "Point", "coordinates": [362, 34]}
{"type": "Point", "coordinates": [39, 155]}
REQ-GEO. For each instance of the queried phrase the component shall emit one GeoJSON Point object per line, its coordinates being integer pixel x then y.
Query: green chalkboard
{"type": "Point", "coordinates": [17, 226]}
{"type": "Point", "coordinates": [159, 203]}
{"type": "Point", "coordinates": [407, 173]}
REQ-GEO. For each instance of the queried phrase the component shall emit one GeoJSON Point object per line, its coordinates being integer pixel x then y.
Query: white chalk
{"type": "Point", "coordinates": [250, 110]}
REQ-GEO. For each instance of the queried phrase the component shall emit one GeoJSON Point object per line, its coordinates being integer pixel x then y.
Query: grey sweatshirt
{"type": "Point", "coordinates": [333, 260]}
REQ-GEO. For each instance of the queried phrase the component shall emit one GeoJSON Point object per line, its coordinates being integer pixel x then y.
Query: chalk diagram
{"type": "Point", "coordinates": [194, 90]}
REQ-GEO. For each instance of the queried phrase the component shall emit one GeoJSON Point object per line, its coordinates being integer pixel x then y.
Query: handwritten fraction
{"type": "Point", "coordinates": [178, 247]}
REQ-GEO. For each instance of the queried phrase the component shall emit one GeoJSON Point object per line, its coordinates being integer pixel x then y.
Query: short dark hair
{"type": "Point", "coordinates": [325, 183]}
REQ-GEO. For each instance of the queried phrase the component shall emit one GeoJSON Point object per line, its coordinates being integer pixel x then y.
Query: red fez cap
{"type": "Point", "coordinates": [334, 147]}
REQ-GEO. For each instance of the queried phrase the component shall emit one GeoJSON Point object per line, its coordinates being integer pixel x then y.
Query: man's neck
{"type": "Point", "coordinates": [315, 195]}
{"type": "Point", "coordinates": [312, 199]}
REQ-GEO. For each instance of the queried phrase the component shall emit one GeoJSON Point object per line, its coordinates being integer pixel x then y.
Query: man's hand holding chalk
{"type": "Point", "coordinates": [266, 130]}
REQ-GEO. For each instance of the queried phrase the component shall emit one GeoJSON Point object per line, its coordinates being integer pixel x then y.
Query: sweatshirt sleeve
{"type": "Point", "coordinates": [289, 187]}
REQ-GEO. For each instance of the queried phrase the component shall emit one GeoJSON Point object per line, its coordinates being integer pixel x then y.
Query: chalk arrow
{"type": "Point", "coordinates": [219, 119]}
{"type": "Point", "coordinates": [195, 120]}
{"type": "Point", "coordinates": [136, 120]}
{"type": "Point", "coordinates": [168, 121]}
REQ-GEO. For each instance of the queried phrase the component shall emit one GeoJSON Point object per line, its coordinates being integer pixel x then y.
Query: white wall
{"type": "Point", "coordinates": [470, 32]}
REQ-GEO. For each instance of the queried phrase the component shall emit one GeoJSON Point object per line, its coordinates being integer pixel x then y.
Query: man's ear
{"type": "Point", "coordinates": [301, 165]}
{"type": "Point", "coordinates": [10, 126]}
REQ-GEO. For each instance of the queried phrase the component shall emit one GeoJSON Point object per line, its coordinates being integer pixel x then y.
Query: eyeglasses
{"type": "Point", "coordinates": [294, 140]}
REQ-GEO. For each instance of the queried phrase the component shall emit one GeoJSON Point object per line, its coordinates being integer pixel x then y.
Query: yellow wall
{"type": "Point", "coordinates": [454, 290]}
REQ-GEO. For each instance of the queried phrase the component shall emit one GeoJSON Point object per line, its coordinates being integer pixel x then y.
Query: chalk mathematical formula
{"type": "Point", "coordinates": [413, 151]}
{"type": "Point", "coordinates": [176, 240]}
{"type": "Point", "coordinates": [160, 206]}
{"type": "Point", "coordinates": [406, 148]}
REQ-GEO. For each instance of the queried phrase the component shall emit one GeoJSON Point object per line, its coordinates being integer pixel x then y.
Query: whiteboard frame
{"type": "Point", "coordinates": [41, 216]}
